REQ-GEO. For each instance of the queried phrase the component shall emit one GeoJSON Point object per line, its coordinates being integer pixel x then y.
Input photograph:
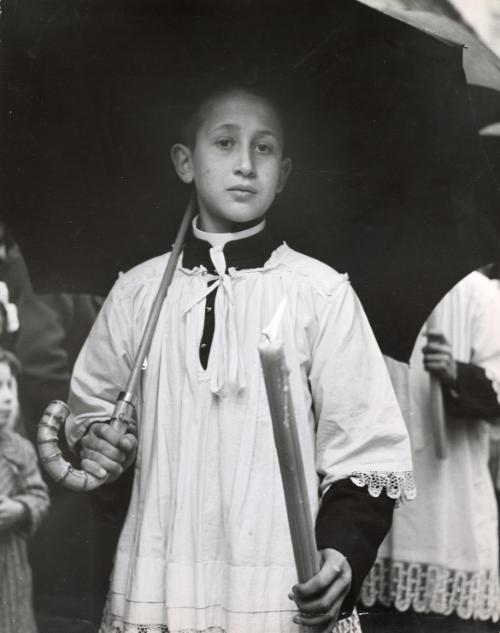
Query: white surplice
{"type": "Point", "coordinates": [206, 544]}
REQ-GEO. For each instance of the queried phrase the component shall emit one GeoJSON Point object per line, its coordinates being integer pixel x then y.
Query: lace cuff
{"type": "Point", "coordinates": [399, 486]}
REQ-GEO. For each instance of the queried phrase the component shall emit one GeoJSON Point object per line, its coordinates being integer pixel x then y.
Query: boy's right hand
{"type": "Point", "coordinates": [105, 453]}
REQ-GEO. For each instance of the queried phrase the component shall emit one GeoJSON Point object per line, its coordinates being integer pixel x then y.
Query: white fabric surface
{"type": "Point", "coordinates": [206, 542]}
{"type": "Point", "coordinates": [442, 552]}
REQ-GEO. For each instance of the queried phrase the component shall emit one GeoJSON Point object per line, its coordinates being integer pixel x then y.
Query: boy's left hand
{"type": "Point", "coordinates": [320, 598]}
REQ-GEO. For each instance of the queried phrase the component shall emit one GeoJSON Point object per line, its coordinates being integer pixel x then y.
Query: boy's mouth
{"type": "Point", "coordinates": [243, 189]}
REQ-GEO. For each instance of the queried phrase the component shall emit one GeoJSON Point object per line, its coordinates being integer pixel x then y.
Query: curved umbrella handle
{"type": "Point", "coordinates": [51, 456]}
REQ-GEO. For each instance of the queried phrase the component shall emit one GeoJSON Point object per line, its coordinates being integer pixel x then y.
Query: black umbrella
{"type": "Point", "coordinates": [482, 71]}
{"type": "Point", "coordinates": [389, 185]}
{"type": "Point", "coordinates": [481, 65]}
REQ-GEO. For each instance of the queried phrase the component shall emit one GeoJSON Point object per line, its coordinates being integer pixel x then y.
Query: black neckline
{"type": "Point", "coordinates": [248, 252]}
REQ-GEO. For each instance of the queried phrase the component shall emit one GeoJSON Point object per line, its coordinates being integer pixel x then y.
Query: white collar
{"type": "Point", "coordinates": [220, 239]}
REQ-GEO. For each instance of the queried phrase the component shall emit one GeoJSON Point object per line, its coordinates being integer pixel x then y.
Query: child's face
{"type": "Point", "coordinates": [8, 397]}
{"type": "Point", "coordinates": [236, 163]}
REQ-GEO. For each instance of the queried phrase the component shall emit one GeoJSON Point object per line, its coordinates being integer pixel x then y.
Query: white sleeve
{"type": "Point", "coordinates": [360, 429]}
{"type": "Point", "coordinates": [102, 368]}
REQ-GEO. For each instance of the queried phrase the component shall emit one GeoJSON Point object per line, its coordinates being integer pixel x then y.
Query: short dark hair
{"type": "Point", "coordinates": [209, 90]}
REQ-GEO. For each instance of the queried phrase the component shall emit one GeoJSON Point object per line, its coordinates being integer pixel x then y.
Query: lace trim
{"type": "Point", "coordinates": [397, 485]}
{"type": "Point", "coordinates": [348, 625]}
{"type": "Point", "coordinates": [426, 588]}
{"type": "Point", "coordinates": [114, 624]}
{"type": "Point", "coordinates": [126, 627]}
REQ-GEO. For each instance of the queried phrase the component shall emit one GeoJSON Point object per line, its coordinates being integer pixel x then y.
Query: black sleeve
{"type": "Point", "coordinates": [473, 395]}
{"type": "Point", "coordinates": [354, 523]}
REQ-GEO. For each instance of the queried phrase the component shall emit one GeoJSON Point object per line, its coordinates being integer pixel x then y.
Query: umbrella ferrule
{"type": "Point", "coordinates": [128, 397]}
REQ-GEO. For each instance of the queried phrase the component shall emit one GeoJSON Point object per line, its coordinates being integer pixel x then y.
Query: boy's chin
{"type": "Point", "coordinates": [248, 220]}
{"type": "Point", "coordinates": [232, 220]}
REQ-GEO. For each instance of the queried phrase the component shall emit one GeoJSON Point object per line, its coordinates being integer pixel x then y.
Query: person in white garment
{"type": "Point", "coordinates": [438, 567]}
{"type": "Point", "coordinates": [206, 545]}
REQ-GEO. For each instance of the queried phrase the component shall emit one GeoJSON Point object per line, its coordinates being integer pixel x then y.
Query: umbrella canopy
{"type": "Point", "coordinates": [389, 184]}
{"type": "Point", "coordinates": [481, 65]}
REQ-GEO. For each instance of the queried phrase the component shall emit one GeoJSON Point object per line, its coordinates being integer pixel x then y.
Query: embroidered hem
{"type": "Point", "coordinates": [431, 588]}
{"type": "Point", "coordinates": [397, 485]}
{"type": "Point", "coordinates": [115, 624]}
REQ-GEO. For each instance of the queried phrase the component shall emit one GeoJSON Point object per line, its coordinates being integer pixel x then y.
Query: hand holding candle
{"type": "Point", "coordinates": [320, 598]}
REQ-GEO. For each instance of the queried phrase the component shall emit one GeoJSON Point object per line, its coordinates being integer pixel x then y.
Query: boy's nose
{"type": "Point", "coordinates": [245, 163]}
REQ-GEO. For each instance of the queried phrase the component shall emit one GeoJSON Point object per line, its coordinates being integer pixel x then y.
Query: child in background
{"type": "Point", "coordinates": [206, 544]}
{"type": "Point", "coordinates": [23, 502]}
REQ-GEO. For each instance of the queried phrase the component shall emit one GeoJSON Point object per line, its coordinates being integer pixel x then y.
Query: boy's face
{"type": "Point", "coordinates": [8, 397]}
{"type": "Point", "coordinates": [236, 163]}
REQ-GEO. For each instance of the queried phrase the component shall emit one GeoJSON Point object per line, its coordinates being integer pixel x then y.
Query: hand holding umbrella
{"type": "Point", "coordinates": [107, 453]}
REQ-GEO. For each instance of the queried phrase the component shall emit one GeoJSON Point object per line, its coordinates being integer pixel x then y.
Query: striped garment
{"type": "Point", "coordinates": [20, 479]}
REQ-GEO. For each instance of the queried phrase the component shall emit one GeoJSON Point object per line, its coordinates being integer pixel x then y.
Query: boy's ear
{"type": "Point", "coordinates": [285, 169]}
{"type": "Point", "coordinates": [181, 157]}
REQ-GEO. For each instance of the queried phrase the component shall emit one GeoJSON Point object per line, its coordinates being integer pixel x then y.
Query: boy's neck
{"type": "Point", "coordinates": [220, 239]}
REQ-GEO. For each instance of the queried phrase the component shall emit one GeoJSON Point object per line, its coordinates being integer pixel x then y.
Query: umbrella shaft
{"type": "Point", "coordinates": [135, 372]}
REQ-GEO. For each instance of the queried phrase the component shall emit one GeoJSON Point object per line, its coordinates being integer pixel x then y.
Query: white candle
{"type": "Point", "coordinates": [276, 378]}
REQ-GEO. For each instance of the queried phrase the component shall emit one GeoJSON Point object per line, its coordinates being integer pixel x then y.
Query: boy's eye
{"type": "Point", "coordinates": [264, 148]}
{"type": "Point", "coordinates": [224, 143]}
